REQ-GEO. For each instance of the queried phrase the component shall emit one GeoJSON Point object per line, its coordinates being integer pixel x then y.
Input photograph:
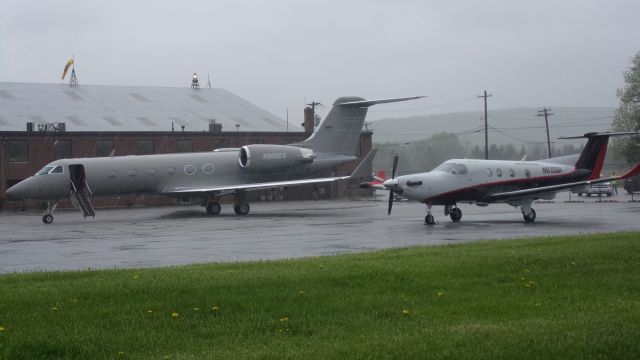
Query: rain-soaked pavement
{"type": "Point", "coordinates": [148, 237]}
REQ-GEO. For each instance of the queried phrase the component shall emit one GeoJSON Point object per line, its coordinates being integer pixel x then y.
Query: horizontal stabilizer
{"type": "Point", "coordinates": [367, 103]}
{"type": "Point", "coordinates": [594, 134]}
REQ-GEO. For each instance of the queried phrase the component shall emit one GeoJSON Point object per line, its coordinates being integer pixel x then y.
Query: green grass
{"type": "Point", "coordinates": [557, 297]}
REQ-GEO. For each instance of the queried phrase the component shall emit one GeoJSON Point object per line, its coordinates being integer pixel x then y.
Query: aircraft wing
{"type": "Point", "coordinates": [555, 188]}
{"type": "Point", "coordinates": [253, 186]}
{"type": "Point", "coordinates": [183, 190]}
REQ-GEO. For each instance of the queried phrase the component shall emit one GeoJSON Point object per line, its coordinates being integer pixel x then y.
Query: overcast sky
{"type": "Point", "coordinates": [279, 54]}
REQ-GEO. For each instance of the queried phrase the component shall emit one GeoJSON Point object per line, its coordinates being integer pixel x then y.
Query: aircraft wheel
{"type": "Point", "coordinates": [429, 220]}
{"type": "Point", "coordinates": [455, 214]}
{"type": "Point", "coordinates": [47, 219]}
{"type": "Point", "coordinates": [213, 208]}
{"type": "Point", "coordinates": [531, 217]}
{"type": "Point", "coordinates": [242, 209]}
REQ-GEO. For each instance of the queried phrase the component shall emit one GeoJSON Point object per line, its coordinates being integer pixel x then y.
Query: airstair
{"type": "Point", "coordinates": [81, 199]}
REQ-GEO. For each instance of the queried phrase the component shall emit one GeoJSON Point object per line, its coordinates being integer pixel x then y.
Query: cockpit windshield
{"type": "Point", "coordinates": [45, 170]}
{"type": "Point", "coordinates": [55, 169]}
{"type": "Point", "coordinates": [446, 167]}
{"type": "Point", "coordinates": [452, 168]}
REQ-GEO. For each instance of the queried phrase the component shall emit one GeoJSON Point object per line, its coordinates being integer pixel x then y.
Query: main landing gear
{"type": "Point", "coordinates": [454, 212]}
{"type": "Point", "coordinates": [213, 208]}
{"type": "Point", "coordinates": [51, 207]}
{"type": "Point", "coordinates": [529, 217]}
{"type": "Point", "coordinates": [528, 213]}
{"type": "Point", "coordinates": [240, 206]}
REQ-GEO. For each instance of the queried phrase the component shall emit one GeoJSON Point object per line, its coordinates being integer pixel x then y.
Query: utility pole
{"type": "Point", "coordinates": [546, 113]}
{"type": "Point", "coordinates": [486, 125]}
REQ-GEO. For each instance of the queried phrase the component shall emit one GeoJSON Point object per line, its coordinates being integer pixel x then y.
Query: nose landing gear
{"type": "Point", "coordinates": [429, 219]}
{"type": "Point", "coordinates": [51, 207]}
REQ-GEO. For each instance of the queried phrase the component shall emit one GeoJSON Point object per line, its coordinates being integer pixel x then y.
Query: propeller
{"type": "Point", "coordinates": [393, 176]}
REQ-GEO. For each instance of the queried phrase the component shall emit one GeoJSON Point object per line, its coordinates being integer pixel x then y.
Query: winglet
{"type": "Point", "coordinates": [361, 170]}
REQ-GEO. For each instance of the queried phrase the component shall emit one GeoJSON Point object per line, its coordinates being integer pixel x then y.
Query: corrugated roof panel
{"type": "Point", "coordinates": [6, 95]}
{"type": "Point", "coordinates": [113, 121]}
{"type": "Point", "coordinates": [74, 95]}
{"type": "Point", "coordinates": [76, 120]}
{"type": "Point", "coordinates": [4, 121]}
{"type": "Point", "coordinates": [130, 108]}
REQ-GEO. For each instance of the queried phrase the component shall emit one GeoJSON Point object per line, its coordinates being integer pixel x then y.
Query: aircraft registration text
{"type": "Point", "coordinates": [552, 170]}
{"type": "Point", "coordinates": [274, 156]}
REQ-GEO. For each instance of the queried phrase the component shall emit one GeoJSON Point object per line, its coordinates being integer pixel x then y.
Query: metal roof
{"type": "Point", "coordinates": [130, 108]}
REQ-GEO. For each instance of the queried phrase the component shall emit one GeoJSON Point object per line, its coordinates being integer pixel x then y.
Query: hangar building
{"type": "Point", "coordinates": [40, 123]}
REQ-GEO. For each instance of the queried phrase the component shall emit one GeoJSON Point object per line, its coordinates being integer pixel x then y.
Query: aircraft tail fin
{"type": "Point", "coordinates": [592, 156]}
{"type": "Point", "coordinates": [339, 132]}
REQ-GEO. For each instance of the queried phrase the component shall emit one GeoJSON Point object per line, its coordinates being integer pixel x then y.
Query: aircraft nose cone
{"type": "Point", "coordinates": [18, 190]}
{"type": "Point", "coordinates": [390, 184]}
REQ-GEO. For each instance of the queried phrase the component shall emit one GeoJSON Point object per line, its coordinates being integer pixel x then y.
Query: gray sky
{"type": "Point", "coordinates": [277, 54]}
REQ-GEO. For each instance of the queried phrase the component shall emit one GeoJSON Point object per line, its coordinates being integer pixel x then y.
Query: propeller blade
{"type": "Point", "coordinates": [390, 202]}
{"type": "Point", "coordinates": [395, 166]}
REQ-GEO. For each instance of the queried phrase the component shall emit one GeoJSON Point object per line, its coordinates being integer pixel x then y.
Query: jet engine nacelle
{"type": "Point", "coordinates": [268, 157]}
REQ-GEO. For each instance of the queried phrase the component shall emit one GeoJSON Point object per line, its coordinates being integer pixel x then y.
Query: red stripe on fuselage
{"type": "Point", "coordinates": [521, 181]}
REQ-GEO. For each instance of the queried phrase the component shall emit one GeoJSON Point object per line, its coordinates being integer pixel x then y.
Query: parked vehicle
{"type": "Point", "coordinates": [600, 189]}
{"type": "Point", "coordinates": [632, 184]}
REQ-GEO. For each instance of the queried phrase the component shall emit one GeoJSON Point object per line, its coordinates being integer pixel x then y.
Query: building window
{"type": "Point", "coordinates": [104, 147]}
{"type": "Point", "coordinates": [144, 147]}
{"type": "Point", "coordinates": [18, 151]}
{"type": "Point", "coordinates": [62, 149]}
{"type": "Point", "coordinates": [184, 145]}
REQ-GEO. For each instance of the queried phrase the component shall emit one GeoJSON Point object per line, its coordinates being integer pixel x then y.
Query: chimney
{"type": "Point", "coordinates": [309, 118]}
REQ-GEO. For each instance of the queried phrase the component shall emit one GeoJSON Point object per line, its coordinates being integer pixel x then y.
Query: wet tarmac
{"type": "Point", "coordinates": [150, 237]}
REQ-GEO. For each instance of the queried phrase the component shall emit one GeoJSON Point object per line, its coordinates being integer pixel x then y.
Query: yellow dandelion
{"type": "Point", "coordinates": [301, 292]}
{"type": "Point", "coordinates": [149, 312]}
{"type": "Point", "coordinates": [523, 278]}
{"type": "Point", "coordinates": [1, 328]}
{"type": "Point", "coordinates": [174, 314]}
{"type": "Point", "coordinates": [532, 283]}
{"type": "Point", "coordinates": [527, 285]}
{"type": "Point", "coordinates": [573, 263]}
{"type": "Point", "coordinates": [166, 356]}
{"type": "Point", "coordinates": [405, 312]}
{"type": "Point", "coordinates": [284, 319]}
{"type": "Point", "coordinates": [196, 309]}
{"type": "Point", "coordinates": [120, 353]}
{"type": "Point", "coordinates": [55, 308]}
{"type": "Point", "coordinates": [215, 308]}
{"type": "Point", "coordinates": [526, 270]}
{"type": "Point", "coordinates": [440, 293]}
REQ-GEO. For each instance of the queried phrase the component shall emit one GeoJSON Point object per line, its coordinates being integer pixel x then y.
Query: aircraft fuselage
{"type": "Point", "coordinates": [466, 180]}
{"type": "Point", "coordinates": [158, 174]}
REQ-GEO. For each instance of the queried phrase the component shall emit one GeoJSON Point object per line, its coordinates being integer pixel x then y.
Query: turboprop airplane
{"type": "Point", "coordinates": [207, 175]}
{"type": "Point", "coordinates": [517, 183]}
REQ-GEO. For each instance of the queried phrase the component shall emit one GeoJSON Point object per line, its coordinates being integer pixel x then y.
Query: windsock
{"type": "Point", "coordinates": [66, 68]}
